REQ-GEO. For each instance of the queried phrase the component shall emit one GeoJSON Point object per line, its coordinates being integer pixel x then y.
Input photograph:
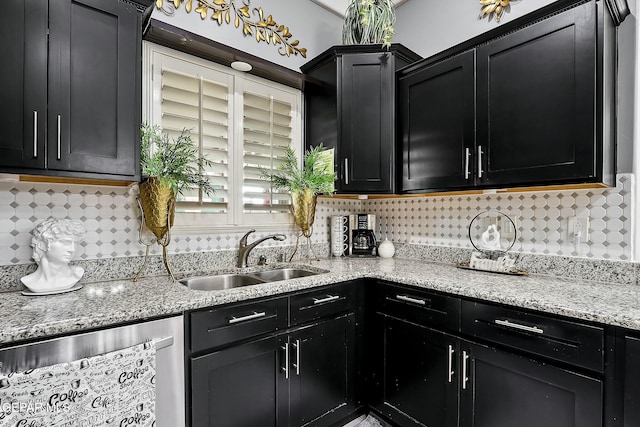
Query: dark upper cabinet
{"type": "Point", "coordinates": [23, 83]}
{"type": "Point", "coordinates": [77, 94]}
{"type": "Point", "coordinates": [350, 98]}
{"type": "Point", "coordinates": [437, 107]}
{"type": "Point", "coordinates": [539, 111]}
{"type": "Point", "coordinates": [536, 113]}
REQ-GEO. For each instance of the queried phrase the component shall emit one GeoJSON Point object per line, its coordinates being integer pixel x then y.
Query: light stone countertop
{"type": "Point", "coordinates": [108, 303]}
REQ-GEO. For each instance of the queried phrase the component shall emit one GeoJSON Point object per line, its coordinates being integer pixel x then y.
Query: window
{"type": "Point", "coordinates": [240, 122]}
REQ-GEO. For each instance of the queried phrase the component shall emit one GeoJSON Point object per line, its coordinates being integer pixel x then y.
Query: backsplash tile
{"type": "Point", "coordinates": [111, 217]}
{"type": "Point", "coordinates": [541, 219]}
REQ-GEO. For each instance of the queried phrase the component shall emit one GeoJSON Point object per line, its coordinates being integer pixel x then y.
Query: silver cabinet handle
{"type": "Point", "coordinates": [465, 378]}
{"type": "Point", "coordinates": [255, 315]}
{"type": "Point", "coordinates": [58, 137]}
{"type": "Point", "coordinates": [467, 158]}
{"type": "Point", "coordinates": [412, 300]}
{"type": "Point", "coordinates": [526, 328]}
{"type": "Point", "coordinates": [346, 171]}
{"type": "Point", "coordinates": [327, 299]}
{"type": "Point", "coordinates": [35, 134]}
{"type": "Point", "coordinates": [451, 371]}
{"type": "Point", "coordinates": [297, 364]}
{"type": "Point", "coordinates": [480, 152]}
{"type": "Point", "coordinates": [285, 347]}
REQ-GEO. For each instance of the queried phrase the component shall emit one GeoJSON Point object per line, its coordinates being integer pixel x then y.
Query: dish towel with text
{"type": "Point", "coordinates": [112, 389]}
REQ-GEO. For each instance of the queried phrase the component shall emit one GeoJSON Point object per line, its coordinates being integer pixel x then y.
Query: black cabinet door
{"type": "Point", "coordinates": [632, 382]}
{"type": "Point", "coordinates": [499, 389]}
{"type": "Point", "coordinates": [322, 372]}
{"type": "Point", "coordinates": [416, 374]}
{"type": "Point", "coordinates": [367, 88]}
{"type": "Point", "coordinates": [94, 87]}
{"type": "Point", "coordinates": [241, 386]}
{"type": "Point", "coordinates": [536, 102]}
{"type": "Point", "coordinates": [23, 83]}
{"type": "Point", "coordinates": [436, 110]}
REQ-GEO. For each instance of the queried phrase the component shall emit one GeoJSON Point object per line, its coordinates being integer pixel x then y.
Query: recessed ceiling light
{"type": "Point", "coordinates": [241, 66]}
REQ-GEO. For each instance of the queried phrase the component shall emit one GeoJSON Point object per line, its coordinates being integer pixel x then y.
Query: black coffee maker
{"type": "Point", "coordinates": [362, 238]}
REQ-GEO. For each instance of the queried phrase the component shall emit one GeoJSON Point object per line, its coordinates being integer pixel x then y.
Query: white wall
{"type": "Point", "coordinates": [428, 26]}
{"type": "Point", "coordinates": [315, 27]}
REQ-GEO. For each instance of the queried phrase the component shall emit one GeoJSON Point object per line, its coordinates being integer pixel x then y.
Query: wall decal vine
{"type": "Point", "coordinates": [494, 8]}
{"type": "Point", "coordinates": [263, 28]}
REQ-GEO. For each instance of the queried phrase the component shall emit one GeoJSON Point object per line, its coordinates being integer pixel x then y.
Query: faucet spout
{"type": "Point", "coordinates": [244, 248]}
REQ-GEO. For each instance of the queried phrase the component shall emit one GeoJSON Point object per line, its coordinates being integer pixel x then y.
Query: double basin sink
{"type": "Point", "coordinates": [221, 282]}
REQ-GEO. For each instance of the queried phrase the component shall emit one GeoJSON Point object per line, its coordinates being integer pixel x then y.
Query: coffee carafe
{"type": "Point", "coordinates": [362, 238]}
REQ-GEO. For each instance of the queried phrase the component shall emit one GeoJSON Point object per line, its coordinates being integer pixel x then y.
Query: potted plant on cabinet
{"type": "Point", "coordinates": [304, 184]}
{"type": "Point", "coordinates": [169, 167]}
{"type": "Point", "coordinates": [369, 22]}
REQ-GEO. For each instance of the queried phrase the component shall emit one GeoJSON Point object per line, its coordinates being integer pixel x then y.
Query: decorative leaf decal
{"type": "Point", "coordinates": [265, 29]}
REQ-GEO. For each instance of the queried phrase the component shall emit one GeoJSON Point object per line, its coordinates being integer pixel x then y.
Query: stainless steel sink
{"type": "Point", "coordinates": [220, 282]}
{"type": "Point", "coordinates": [284, 274]}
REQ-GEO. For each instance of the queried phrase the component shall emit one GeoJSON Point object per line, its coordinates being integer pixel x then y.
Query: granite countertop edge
{"type": "Point", "coordinates": [110, 303]}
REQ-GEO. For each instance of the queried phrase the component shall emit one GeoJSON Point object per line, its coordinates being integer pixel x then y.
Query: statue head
{"type": "Point", "coordinates": [64, 232]}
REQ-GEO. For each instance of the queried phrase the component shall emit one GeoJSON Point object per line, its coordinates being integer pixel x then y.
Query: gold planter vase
{"type": "Point", "coordinates": [157, 204]}
{"type": "Point", "coordinates": [303, 208]}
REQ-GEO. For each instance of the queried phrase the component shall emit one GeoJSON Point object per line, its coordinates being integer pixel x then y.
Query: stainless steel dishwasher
{"type": "Point", "coordinates": [168, 334]}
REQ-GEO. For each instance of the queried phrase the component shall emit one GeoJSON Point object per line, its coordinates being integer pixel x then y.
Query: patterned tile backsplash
{"type": "Point", "coordinates": [111, 217]}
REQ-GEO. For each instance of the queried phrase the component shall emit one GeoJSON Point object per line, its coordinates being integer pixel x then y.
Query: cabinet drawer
{"type": "Point", "coordinates": [419, 306]}
{"type": "Point", "coordinates": [322, 302]}
{"type": "Point", "coordinates": [220, 326]}
{"type": "Point", "coordinates": [567, 341]}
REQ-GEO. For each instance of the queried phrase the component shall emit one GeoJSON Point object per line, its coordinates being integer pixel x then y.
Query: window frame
{"type": "Point", "coordinates": [235, 220]}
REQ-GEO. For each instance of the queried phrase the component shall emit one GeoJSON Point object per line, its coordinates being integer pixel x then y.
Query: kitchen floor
{"type": "Point", "coordinates": [366, 421]}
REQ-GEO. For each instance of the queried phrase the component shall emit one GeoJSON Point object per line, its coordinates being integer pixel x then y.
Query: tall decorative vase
{"type": "Point", "coordinates": [303, 208]}
{"type": "Point", "coordinates": [157, 204]}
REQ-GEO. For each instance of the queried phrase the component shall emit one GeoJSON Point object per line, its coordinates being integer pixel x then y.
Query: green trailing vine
{"type": "Point", "coordinates": [263, 28]}
{"type": "Point", "coordinates": [369, 22]}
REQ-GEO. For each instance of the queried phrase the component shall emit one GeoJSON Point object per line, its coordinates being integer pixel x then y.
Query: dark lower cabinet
{"type": "Point", "coordinates": [499, 389]}
{"type": "Point", "coordinates": [251, 367]}
{"type": "Point", "coordinates": [632, 382]}
{"type": "Point", "coordinates": [321, 370]}
{"type": "Point", "coordinates": [239, 386]}
{"type": "Point", "coordinates": [416, 381]}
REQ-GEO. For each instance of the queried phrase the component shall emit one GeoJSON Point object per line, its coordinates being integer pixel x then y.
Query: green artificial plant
{"type": "Point", "coordinates": [316, 175]}
{"type": "Point", "coordinates": [176, 163]}
{"type": "Point", "coordinates": [369, 22]}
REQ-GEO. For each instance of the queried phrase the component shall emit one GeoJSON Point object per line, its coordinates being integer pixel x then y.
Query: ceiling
{"type": "Point", "coordinates": [339, 6]}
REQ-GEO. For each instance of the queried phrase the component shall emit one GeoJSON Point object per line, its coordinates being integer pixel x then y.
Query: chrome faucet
{"type": "Point", "coordinates": [244, 248]}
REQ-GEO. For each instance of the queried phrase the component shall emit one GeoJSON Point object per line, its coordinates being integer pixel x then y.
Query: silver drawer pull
{"type": "Point", "coordinates": [526, 328]}
{"type": "Point", "coordinates": [451, 371]}
{"type": "Point", "coordinates": [346, 171]}
{"type": "Point", "coordinates": [255, 315]}
{"type": "Point", "coordinates": [467, 156]}
{"type": "Point", "coordinates": [58, 152]}
{"type": "Point", "coordinates": [35, 134]}
{"type": "Point", "coordinates": [465, 378]}
{"type": "Point", "coordinates": [285, 369]}
{"type": "Point", "coordinates": [409, 299]}
{"type": "Point", "coordinates": [327, 299]}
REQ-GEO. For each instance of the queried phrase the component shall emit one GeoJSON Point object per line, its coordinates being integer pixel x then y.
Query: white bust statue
{"type": "Point", "coordinates": [54, 243]}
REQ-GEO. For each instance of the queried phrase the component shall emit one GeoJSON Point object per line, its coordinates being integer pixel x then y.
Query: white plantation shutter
{"type": "Point", "coordinates": [268, 131]}
{"type": "Point", "coordinates": [240, 122]}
